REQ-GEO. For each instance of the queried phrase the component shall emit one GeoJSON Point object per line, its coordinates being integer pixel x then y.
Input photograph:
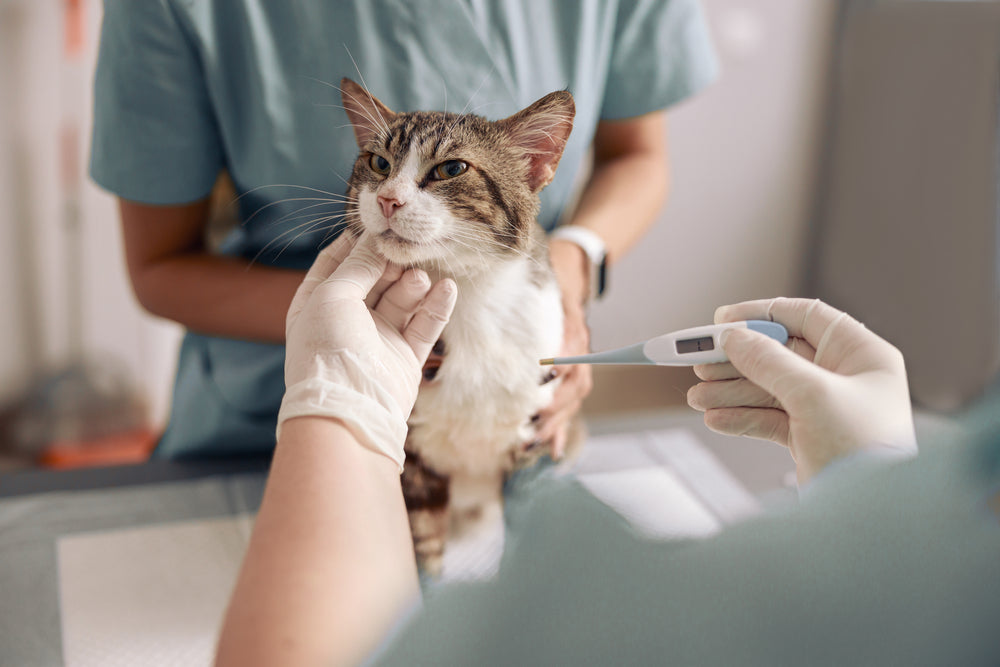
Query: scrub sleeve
{"type": "Point", "coordinates": [185, 88]}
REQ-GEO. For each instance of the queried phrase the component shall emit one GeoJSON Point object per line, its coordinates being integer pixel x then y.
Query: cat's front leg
{"type": "Point", "coordinates": [532, 448]}
{"type": "Point", "coordinates": [427, 494]}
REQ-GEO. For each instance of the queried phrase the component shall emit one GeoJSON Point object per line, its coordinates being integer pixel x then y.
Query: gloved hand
{"type": "Point", "coordinates": [836, 389]}
{"type": "Point", "coordinates": [357, 333]}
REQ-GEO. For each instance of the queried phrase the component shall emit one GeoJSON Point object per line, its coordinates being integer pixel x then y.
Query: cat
{"type": "Point", "coordinates": [457, 195]}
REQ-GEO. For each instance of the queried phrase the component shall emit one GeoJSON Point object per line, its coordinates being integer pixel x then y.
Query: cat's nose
{"type": "Point", "coordinates": [389, 205]}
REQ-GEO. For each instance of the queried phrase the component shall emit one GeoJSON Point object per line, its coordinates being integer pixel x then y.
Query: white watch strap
{"type": "Point", "coordinates": [589, 241]}
{"type": "Point", "coordinates": [592, 246]}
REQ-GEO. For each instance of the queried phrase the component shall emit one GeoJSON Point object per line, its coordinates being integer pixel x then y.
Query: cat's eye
{"type": "Point", "coordinates": [379, 164]}
{"type": "Point", "coordinates": [449, 169]}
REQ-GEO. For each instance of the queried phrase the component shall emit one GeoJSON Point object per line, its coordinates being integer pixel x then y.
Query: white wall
{"type": "Point", "coordinates": [744, 159]}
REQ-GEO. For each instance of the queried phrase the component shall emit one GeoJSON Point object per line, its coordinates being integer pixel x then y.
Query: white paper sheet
{"type": "Point", "coordinates": [665, 483]}
{"type": "Point", "coordinates": [148, 596]}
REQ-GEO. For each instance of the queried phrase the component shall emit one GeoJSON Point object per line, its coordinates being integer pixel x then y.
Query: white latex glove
{"type": "Point", "coordinates": [355, 360]}
{"type": "Point", "coordinates": [836, 389]}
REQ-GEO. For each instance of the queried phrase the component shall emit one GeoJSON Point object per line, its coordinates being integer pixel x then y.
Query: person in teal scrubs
{"type": "Point", "coordinates": [186, 89]}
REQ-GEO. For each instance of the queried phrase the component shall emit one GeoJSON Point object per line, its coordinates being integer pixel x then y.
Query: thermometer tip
{"type": "Point", "coordinates": [547, 362]}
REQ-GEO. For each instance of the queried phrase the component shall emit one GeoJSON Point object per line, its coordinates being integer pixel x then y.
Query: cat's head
{"type": "Point", "coordinates": [452, 191]}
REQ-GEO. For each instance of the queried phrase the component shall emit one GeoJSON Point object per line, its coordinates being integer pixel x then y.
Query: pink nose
{"type": "Point", "coordinates": [389, 205]}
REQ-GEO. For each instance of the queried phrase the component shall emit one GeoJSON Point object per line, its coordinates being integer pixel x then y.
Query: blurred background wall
{"type": "Point", "coordinates": [64, 294]}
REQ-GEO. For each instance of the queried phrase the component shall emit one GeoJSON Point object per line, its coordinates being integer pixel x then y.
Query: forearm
{"type": "Point", "coordinates": [626, 191]}
{"type": "Point", "coordinates": [330, 565]}
{"type": "Point", "coordinates": [220, 296]}
{"type": "Point", "coordinates": [622, 199]}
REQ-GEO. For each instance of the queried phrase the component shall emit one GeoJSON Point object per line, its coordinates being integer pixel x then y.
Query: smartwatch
{"type": "Point", "coordinates": [593, 246]}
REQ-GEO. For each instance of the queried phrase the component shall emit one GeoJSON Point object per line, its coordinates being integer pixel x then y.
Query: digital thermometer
{"type": "Point", "coordinates": [699, 345]}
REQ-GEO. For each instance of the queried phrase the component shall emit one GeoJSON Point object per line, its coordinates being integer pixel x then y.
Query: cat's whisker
{"type": "Point", "coordinates": [477, 253]}
{"type": "Point", "coordinates": [339, 217]}
{"type": "Point", "coordinates": [482, 83]}
{"type": "Point", "coordinates": [300, 213]}
{"type": "Point", "coordinates": [449, 269]}
{"type": "Point", "coordinates": [482, 105]}
{"type": "Point", "coordinates": [288, 185]}
{"type": "Point", "coordinates": [313, 226]}
{"type": "Point", "coordinates": [285, 201]}
{"type": "Point", "coordinates": [303, 228]}
{"type": "Point", "coordinates": [337, 174]}
{"type": "Point", "coordinates": [308, 228]}
{"type": "Point", "coordinates": [364, 84]}
{"type": "Point", "coordinates": [377, 127]}
{"type": "Point", "coordinates": [492, 242]}
{"type": "Point", "coordinates": [347, 224]}
{"type": "Point", "coordinates": [313, 218]}
{"type": "Point", "coordinates": [444, 83]}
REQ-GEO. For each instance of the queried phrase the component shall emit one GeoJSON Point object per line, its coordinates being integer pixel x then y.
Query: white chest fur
{"type": "Point", "coordinates": [477, 409]}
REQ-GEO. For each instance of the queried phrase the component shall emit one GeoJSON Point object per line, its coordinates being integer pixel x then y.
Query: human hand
{"type": "Point", "coordinates": [836, 389]}
{"type": "Point", "coordinates": [570, 266]}
{"type": "Point", "coordinates": [357, 333]}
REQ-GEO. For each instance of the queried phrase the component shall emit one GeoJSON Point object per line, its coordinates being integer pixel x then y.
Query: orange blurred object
{"type": "Point", "coordinates": [74, 32]}
{"type": "Point", "coordinates": [119, 449]}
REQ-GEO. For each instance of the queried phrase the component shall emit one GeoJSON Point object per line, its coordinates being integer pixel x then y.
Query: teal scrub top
{"type": "Point", "coordinates": [186, 88]}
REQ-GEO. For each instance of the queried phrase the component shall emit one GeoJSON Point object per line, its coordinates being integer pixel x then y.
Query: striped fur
{"type": "Point", "coordinates": [471, 421]}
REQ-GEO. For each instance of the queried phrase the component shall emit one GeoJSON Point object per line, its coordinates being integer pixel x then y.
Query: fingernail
{"type": "Point", "coordinates": [724, 336]}
{"type": "Point", "coordinates": [419, 278]}
{"type": "Point", "coordinates": [692, 399]}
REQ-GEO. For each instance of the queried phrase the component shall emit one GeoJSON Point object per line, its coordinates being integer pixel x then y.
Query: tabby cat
{"type": "Point", "coordinates": [457, 195]}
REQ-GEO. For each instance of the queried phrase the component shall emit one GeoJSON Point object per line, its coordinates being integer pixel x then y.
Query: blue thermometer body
{"type": "Point", "coordinates": [698, 345]}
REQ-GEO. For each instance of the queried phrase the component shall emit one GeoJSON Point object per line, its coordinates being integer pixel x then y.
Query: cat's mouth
{"type": "Point", "coordinates": [389, 236]}
{"type": "Point", "coordinates": [400, 249]}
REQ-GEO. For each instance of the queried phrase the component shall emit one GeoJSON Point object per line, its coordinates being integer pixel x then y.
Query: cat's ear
{"type": "Point", "coordinates": [542, 131]}
{"type": "Point", "coordinates": [368, 116]}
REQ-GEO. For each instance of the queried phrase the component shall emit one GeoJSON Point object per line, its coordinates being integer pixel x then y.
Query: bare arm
{"type": "Point", "coordinates": [330, 565]}
{"type": "Point", "coordinates": [627, 189]}
{"type": "Point", "coordinates": [174, 276]}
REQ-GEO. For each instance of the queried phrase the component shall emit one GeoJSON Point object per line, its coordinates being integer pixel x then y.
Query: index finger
{"type": "Point", "coordinates": [329, 259]}
{"type": "Point", "coordinates": [839, 339]}
{"type": "Point", "coordinates": [325, 263]}
{"type": "Point", "coordinates": [810, 319]}
{"type": "Point", "coordinates": [358, 273]}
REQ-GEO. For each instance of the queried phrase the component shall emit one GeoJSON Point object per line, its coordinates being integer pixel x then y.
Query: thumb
{"type": "Point", "coordinates": [770, 365]}
{"type": "Point", "coordinates": [357, 275]}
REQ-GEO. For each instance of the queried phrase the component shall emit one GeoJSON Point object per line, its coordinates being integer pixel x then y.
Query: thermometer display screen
{"type": "Point", "coordinates": [690, 345]}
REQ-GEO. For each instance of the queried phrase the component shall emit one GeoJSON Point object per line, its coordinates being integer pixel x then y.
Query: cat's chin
{"type": "Point", "coordinates": [428, 256]}
{"type": "Point", "coordinates": [400, 250]}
